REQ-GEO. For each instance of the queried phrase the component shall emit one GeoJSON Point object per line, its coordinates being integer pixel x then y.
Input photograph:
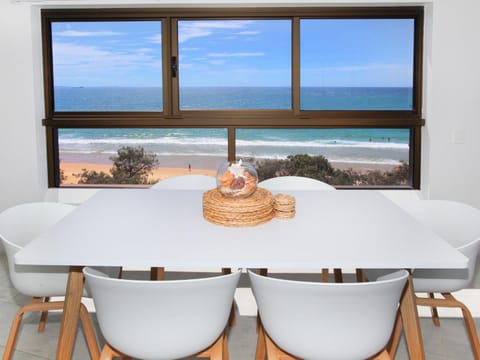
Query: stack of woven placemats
{"type": "Point", "coordinates": [284, 206]}
{"type": "Point", "coordinates": [250, 211]}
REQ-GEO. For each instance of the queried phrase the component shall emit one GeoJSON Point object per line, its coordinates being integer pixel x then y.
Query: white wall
{"type": "Point", "coordinates": [452, 170]}
{"type": "Point", "coordinates": [451, 101]}
{"type": "Point", "coordinates": [22, 147]}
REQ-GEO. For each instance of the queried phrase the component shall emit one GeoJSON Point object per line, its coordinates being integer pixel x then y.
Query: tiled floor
{"type": "Point", "coordinates": [447, 342]}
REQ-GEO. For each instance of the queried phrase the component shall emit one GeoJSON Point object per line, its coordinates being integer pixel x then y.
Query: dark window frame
{"type": "Point", "coordinates": [173, 117]}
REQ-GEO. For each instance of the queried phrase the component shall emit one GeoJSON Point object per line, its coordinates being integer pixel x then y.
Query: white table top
{"type": "Point", "coordinates": [143, 228]}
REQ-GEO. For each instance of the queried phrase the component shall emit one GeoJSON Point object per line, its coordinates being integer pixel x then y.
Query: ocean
{"type": "Point", "coordinates": [233, 98]}
{"type": "Point", "coordinates": [382, 146]}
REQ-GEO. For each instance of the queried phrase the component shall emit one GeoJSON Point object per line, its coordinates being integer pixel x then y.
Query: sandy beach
{"type": "Point", "coordinates": [74, 163]}
{"type": "Point", "coordinates": [70, 169]}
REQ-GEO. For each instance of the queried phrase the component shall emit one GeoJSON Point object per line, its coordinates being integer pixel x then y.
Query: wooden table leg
{"type": "Point", "coordinates": [411, 322]}
{"type": "Point", "coordinates": [71, 311]}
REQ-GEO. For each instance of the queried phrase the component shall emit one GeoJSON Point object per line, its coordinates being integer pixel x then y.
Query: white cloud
{"type": "Point", "coordinates": [225, 24]}
{"type": "Point", "coordinates": [75, 33]}
{"type": "Point", "coordinates": [248, 32]}
{"type": "Point", "coordinates": [157, 39]}
{"type": "Point", "coordinates": [190, 30]}
{"type": "Point", "coordinates": [70, 54]}
{"type": "Point", "coordinates": [95, 59]}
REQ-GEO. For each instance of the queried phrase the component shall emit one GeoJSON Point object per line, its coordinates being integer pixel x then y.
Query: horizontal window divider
{"type": "Point", "coordinates": [223, 114]}
{"type": "Point", "coordinates": [195, 122]}
{"type": "Point", "coordinates": [234, 12]}
{"type": "Point", "coordinates": [106, 114]}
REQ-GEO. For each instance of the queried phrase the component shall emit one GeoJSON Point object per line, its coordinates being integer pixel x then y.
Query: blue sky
{"type": "Point", "coordinates": [235, 53]}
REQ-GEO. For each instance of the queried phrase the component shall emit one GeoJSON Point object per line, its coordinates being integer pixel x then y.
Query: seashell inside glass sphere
{"type": "Point", "coordinates": [237, 179]}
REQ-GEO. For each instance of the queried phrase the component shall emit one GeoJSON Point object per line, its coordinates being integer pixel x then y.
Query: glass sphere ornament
{"type": "Point", "coordinates": [237, 179]}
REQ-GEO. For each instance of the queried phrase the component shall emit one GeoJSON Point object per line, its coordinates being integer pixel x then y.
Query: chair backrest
{"type": "Point", "coordinates": [187, 182]}
{"type": "Point", "coordinates": [161, 319]}
{"type": "Point", "coordinates": [18, 226]}
{"type": "Point", "coordinates": [282, 183]}
{"type": "Point", "coordinates": [457, 223]}
{"type": "Point", "coordinates": [315, 320]}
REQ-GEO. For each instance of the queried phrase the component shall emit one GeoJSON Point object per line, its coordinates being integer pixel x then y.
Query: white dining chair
{"type": "Point", "coordinates": [18, 226]}
{"type": "Point", "coordinates": [284, 183]}
{"type": "Point", "coordinates": [459, 224]}
{"type": "Point", "coordinates": [168, 319]}
{"type": "Point", "coordinates": [187, 182]}
{"type": "Point", "coordinates": [291, 183]}
{"type": "Point", "coordinates": [335, 321]}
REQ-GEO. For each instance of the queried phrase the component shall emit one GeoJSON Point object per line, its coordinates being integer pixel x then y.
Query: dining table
{"type": "Point", "coordinates": [166, 228]}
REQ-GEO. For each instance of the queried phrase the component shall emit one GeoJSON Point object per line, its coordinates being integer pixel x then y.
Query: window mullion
{"type": "Point", "coordinates": [167, 81]}
{"type": "Point", "coordinates": [296, 66]}
{"type": "Point", "coordinates": [174, 81]}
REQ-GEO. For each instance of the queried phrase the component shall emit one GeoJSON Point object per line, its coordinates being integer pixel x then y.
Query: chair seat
{"type": "Point", "coordinates": [440, 280]}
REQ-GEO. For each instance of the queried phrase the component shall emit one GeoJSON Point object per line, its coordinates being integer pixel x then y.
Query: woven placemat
{"type": "Point", "coordinates": [284, 206]}
{"type": "Point", "coordinates": [250, 211]}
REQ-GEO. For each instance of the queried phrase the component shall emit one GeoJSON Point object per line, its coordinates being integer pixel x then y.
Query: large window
{"type": "Point", "coordinates": [330, 93]}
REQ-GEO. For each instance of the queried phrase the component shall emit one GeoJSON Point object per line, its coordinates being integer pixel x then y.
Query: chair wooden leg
{"type": "Point", "coordinates": [275, 353]}
{"type": "Point", "coordinates": [89, 333]}
{"type": "Point", "coordinates": [260, 351]}
{"type": "Point", "coordinates": [434, 311]}
{"type": "Point", "coordinates": [34, 305]}
{"type": "Point", "coordinates": [384, 355]}
{"type": "Point", "coordinates": [338, 275]}
{"type": "Point", "coordinates": [12, 336]}
{"type": "Point", "coordinates": [450, 302]}
{"type": "Point", "coordinates": [469, 323]}
{"type": "Point", "coordinates": [43, 317]}
{"type": "Point", "coordinates": [324, 275]}
{"type": "Point", "coordinates": [217, 351]}
{"type": "Point", "coordinates": [225, 352]}
{"type": "Point", "coordinates": [395, 338]}
{"type": "Point", "coordinates": [411, 322]}
{"type": "Point", "coordinates": [108, 353]}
